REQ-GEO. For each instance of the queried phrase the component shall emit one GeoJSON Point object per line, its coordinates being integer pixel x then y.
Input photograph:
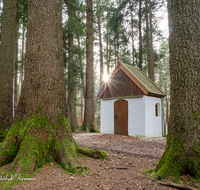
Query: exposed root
{"type": "Point", "coordinates": [98, 154]}
{"type": "Point", "coordinates": [65, 152]}
{"type": "Point", "coordinates": [170, 184]}
{"type": "Point", "coordinates": [32, 143]}
{"type": "Point", "coordinates": [8, 150]}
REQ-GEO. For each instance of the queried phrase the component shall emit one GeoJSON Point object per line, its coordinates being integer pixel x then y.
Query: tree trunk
{"type": "Point", "coordinates": [182, 152]}
{"type": "Point", "coordinates": [166, 119]}
{"type": "Point", "coordinates": [100, 44]}
{"type": "Point", "coordinates": [115, 54]}
{"type": "Point", "coordinates": [109, 57]}
{"type": "Point", "coordinates": [71, 68]}
{"type": "Point", "coordinates": [132, 37]}
{"type": "Point", "coordinates": [147, 39]}
{"type": "Point", "coordinates": [140, 34]}
{"type": "Point", "coordinates": [82, 81]}
{"type": "Point", "coordinates": [7, 53]}
{"type": "Point", "coordinates": [41, 132]}
{"type": "Point", "coordinates": [16, 69]}
{"type": "Point", "coordinates": [42, 110]}
{"type": "Point", "coordinates": [22, 55]}
{"type": "Point", "coordinates": [151, 43]}
{"type": "Point", "coordinates": [107, 44]}
{"type": "Point", "coordinates": [89, 95]}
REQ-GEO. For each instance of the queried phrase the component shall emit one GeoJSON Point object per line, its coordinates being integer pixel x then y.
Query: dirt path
{"type": "Point", "coordinates": [143, 147]}
{"type": "Point", "coordinates": [128, 156]}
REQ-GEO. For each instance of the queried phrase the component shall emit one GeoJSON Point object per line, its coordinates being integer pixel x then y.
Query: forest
{"type": "Point", "coordinates": [55, 57]}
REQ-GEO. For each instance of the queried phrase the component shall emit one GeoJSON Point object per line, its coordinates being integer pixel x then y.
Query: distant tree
{"type": "Point", "coordinates": [89, 93]}
{"type": "Point", "coordinates": [148, 41]}
{"type": "Point", "coordinates": [182, 151]}
{"type": "Point", "coordinates": [140, 34]}
{"type": "Point", "coordinates": [16, 69]}
{"type": "Point", "coordinates": [71, 67]}
{"type": "Point", "coordinates": [99, 12]}
{"type": "Point", "coordinates": [7, 52]}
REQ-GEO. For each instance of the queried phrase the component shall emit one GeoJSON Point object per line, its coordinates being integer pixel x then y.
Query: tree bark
{"type": "Point", "coordinates": [109, 58]}
{"type": "Point", "coordinates": [147, 39]}
{"type": "Point", "coordinates": [71, 77]}
{"type": "Point", "coordinates": [182, 152]}
{"type": "Point", "coordinates": [89, 95]}
{"type": "Point", "coordinates": [22, 56]}
{"type": "Point", "coordinates": [166, 118]}
{"type": "Point", "coordinates": [16, 69]}
{"type": "Point", "coordinates": [140, 34]}
{"type": "Point", "coordinates": [107, 45]}
{"type": "Point", "coordinates": [42, 110]}
{"type": "Point", "coordinates": [7, 52]}
{"type": "Point", "coordinates": [100, 44]}
{"type": "Point", "coordinates": [151, 43]}
{"type": "Point", "coordinates": [132, 38]}
{"type": "Point", "coordinates": [82, 81]}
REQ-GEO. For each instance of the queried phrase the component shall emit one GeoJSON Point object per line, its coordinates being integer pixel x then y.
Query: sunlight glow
{"type": "Point", "coordinates": [105, 77]}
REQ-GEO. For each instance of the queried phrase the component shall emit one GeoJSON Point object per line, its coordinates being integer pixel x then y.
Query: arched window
{"type": "Point", "coordinates": [157, 110]}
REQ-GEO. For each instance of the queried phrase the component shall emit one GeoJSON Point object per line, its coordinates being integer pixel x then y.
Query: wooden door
{"type": "Point", "coordinates": [121, 117]}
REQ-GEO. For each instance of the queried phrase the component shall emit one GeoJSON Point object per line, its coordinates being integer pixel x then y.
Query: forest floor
{"type": "Point", "coordinates": [128, 157]}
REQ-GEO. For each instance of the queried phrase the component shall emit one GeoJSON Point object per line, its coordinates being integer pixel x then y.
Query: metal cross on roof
{"type": "Point", "coordinates": [120, 56]}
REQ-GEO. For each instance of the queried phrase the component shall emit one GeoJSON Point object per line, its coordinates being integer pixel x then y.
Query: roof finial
{"type": "Point", "coordinates": [120, 56]}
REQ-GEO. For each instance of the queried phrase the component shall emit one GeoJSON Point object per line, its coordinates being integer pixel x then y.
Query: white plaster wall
{"type": "Point", "coordinates": [153, 123]}
{"type": "Point", "coordinates": [136, 116]}
{"type": "Point", "coordinates": [107, 116]}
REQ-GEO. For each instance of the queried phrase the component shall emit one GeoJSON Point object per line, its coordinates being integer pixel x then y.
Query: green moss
{"type": "Point", "coordinates": [3, 133]}
{"type": "Point", "coordinates": [175, 162]}
{"type": "Point", "coordinates": [87, 130]}
{"type": "Point", "coordinates": [149, 171]}
{"type": "Point", "coordinates": [95, 130]}
{"type": "Point", "coordinates": [169, 165]}
{"type": "Point", "coordinates": [98, 154]}
{"type": "Point", "coordinates": [30, 144]}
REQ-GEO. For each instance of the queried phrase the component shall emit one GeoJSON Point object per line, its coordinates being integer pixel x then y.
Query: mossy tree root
{"type": "Point", "coordinates": [177, 160]}
{"type": "Point", "coordinates": [98, 154]}
{"type": "Point", "coordinates": [32, 143]}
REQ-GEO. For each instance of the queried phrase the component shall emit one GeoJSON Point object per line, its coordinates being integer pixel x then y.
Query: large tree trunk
{"type": "Point", "coordinates": [140, 34]}
{"type": "Point", "coordinates": [182, 152]}
{"type": "Point", "coordinates": [71, 77]}
{"type": "Point", "coordinates": [89, 95]}
{"type": "Point", "coordinates": [7, 53]}
{"type": "Point", "coordinates": [42, 132]}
